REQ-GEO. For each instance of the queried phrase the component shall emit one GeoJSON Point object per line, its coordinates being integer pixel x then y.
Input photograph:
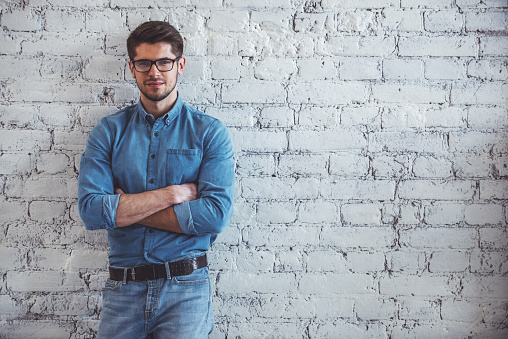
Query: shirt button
{"type": "Point", "coordinates": [150, 230]}
{"type": "Point", "coordinates": [156, 134]}
{"type": "Point", "coordinates": [148, 255]}
{"type": "Point", "coordinates": [151, 181]}
{"type": "Point", "coordinates": [153, 156]}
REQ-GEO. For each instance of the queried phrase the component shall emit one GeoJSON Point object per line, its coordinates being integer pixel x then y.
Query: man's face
{"type": "Point", "coordinates": [155, 85]}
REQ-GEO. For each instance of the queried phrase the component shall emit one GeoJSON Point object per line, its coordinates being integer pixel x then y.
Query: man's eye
{"type": "Point", "coordinates": [144, 63]}
{"type": "Point", "coordinates": [164, 62]}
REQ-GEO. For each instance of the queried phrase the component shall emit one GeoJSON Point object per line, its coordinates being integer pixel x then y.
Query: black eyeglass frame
{"type": "Point", "coordinates": [155, 63]}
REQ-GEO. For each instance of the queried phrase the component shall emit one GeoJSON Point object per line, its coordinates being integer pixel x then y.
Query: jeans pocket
{"type": "Point", "coordinates": [111, 285]}
{"type": "Point", "coordinates": [199, 276]}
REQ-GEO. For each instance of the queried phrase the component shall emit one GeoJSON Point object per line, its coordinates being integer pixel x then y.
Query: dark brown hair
{"type": "Point", "coordinates": [152, 32]}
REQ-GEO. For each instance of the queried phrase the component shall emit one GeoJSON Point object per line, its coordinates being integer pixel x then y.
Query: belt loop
{"type": "Point", "coordinates": [168, 271]}
{"type": "Point", "coordinates": [124, 281]}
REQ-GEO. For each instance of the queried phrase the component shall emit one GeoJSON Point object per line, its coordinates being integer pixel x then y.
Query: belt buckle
{"type": "Point", "coordinates": [133, 272]}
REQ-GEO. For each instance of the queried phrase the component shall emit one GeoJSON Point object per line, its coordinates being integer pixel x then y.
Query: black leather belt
{"type": "Point", "coordinates": [156, 271]}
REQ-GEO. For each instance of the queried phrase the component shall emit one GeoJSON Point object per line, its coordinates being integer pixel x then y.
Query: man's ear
{"type": "Point", "coordinates": [133, 71]}
{"type": "Point", "coordinates": [181, 65]}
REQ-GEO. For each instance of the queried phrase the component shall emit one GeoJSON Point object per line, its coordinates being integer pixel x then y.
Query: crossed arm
{"type": "Point", "coordinates": [154, 208]}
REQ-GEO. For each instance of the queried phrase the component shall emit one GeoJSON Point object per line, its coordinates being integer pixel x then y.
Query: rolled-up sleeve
{"type": "Point", "coordinates": [96, 199]}
{"type": "Point", "coordinates": [212, 212]}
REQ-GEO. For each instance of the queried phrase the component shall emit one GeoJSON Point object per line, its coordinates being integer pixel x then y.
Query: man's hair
{"type": "Point", "coordinates": [152, 32]}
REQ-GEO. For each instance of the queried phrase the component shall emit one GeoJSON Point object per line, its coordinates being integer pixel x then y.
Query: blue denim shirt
{"type": "Point", "coordinates": [133, 151]}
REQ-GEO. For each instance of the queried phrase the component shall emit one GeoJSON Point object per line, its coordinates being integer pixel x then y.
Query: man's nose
{"type": "Point", "coordinates": [154, 70]}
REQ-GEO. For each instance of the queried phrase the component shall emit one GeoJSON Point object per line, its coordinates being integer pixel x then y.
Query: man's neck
{"type": "Point", "coordinates": [158, 108]}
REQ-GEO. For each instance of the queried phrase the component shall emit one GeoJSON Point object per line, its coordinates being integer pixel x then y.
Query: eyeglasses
{"type": "Point", "coordinates": [163, 65]}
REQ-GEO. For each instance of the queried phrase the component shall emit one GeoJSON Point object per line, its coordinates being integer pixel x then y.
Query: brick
{"type": "Point", "coordinates": [490, 69]}
{"type": "Point", "coordinates": [432, 167]}
{"type": "Point", "coordinates": [289, 262]}
{"type": "Point", "coordinates": [488, 263]}
{"type": "Point", "coordinates": [223, 45]}
{"type": "Point", "coordinates": [406, 142]}
{"type": "Point", "coordinates": [374, 308]}
{"type": "Point", "coordinates": [12, 210]}
{"type": "Point", "coordinates": [484, 214]}
{"type": "Point", "coordinates": [444, 69]}
{"type": "Point", "coordinates": [419, 94]}
{"type": "Point", "coordinates": [282, 236]}
{"type": "Point", "coordinates": [494, 46]}
{"type": "Point", "coordinates": [449, 261]}
{"type": "Point", "coordinates": [336, 284]}
{"type": "Point", "coordinates": [493, 238]}
{"type": "Point", "coordinates": [360, 69]}
{"type": "Point", "coordinates": [242, 116]}
{"type": "Point", "coordinates": [447, 117]}
{"type": "Point", "coordinates": [104, 68]}
{"type": "Point", "coordinates": [52, 163]}
{"type": "Point", "coordinates": [418, 286]}
{"type": "Point", "coordinates": [484, 287]}
{"type": "Point", "coordinates": [327, 261]}
{"type": "Point", "coordinates": [276, 117]}
{"type": "Point", "coordinates": [64, 21]}
{"type": "Point", "coordinates": [402, 20]}
{"type": "Point", "coordinates": [317, 69]}
{"type": "Point", "coordinates": [460, 310]}
{"type": "Point", "coordinates": [421, 329]}
{"type": "Point", "coordinates": [57, 115]}
{"type": "Point", "coordinates": [440, 213]}
{"type": "Point", "coordinates": [438, 46]}
{"type": "Point", "coordinates": [272, 69]}
{"type": "Point", "coordinates": [469, 142]}
{"type": "Point", "coordinates": [266, 92]}
{"type": "Point", "coordinates": [349, 330]}
{"type": "Point", "coordinates": [436, 190]}
{"type": "Point", "coordinates": [46, 281]}
{"type": "Point", "coordinates": [317, 116]}
{"type": "Point", "coordinates": [493, 189]}
{"type": "Point", "coordinates": [340, 139]}
{"type": "Point", "coordinates": [357, 21]}
{"type": "Point", "coordinates": [349, 165]}
{"type": "Point", "coordinates": [358, 237]}
{"type": "Point", "coordinates": [88, 259]}
{"type": "Point", "coordinates": [418, 309]}
{"type": "Point", "coordinates": [275, 212]}
{"type": "Point", "coordinates": [449, 238]}
{"type": "Point", "coordinates": [74, 140]}
{"type": "Point", "coordinates": [402, 69]}
{"type": "Point", "coordinates": [426, 3]}
{"type": "Point", "coordinates": [365, 262]}
{"type": "Point", "coordinates": [356, 46]}
{"type": "Point", "coordinates": [332, 307]}
{"type": "Point", "coordinates": [331, 4]}
{"type": "Point", "coordinates": [305, 164]}
{"type": "Point", "coordinates": [276, 21]}
{"type": "Point", "coordinates": [487, 117]}
{"type": "Point", "coordinates": [64, 44]}
{"type": "Point", "coordinates": [260, 141]}
{"type": "Point", "coordinates": [256, 261]}
{"type": "Point", "coordinates": [20, 140]}
{"type": "Point", "coordinates": [361, 214]}
{"type": "Point", "coordinates": [228, 68]}
{"type": "Point", "coordinates": [43, 187]}
{"type": "Point", "coordinates": [486, 22]}
{"type": "Point", "coordinates": [479, 94]}
{"type": "Point", "coordinates": [43, 328]}
{"type": "Point", "coordinates": [15, 163]}
{"type": "Point", "coordinates": [327, 93]}
{"type": "Point", "coordinates": [256, 165]}
{"type": "Point", "coordinates": [46, 211]}
{"type": "Point", "coordinates": [360, 115]}
{"type": "Point", "coordinates": [317, 212]}
{"type": "Point", "coordinates": [229, 21]}
{"type": "Point", "coordinates": [311, 22]}
{"type": "Point", "coordinates": [25, 20]}
{"type": "Point", "coordinates": [358, 189]}
{"type": "Point", "coordinates": [275, 188]}
{"type": "Point", "coordinates": [406, 262]}
{"type": "Point", "coordinates": [49, 259]}
{"type": "Point", "coordinates": [398, 117]}
{"type": "Point", "coordinates": [240, 283]}
{"type": "Point", "coordinates": [18, 115]}
{"type": "Point", "coordinates": [12, 258]}
{"type": "Point", "coordinates": [62, 305]}
{"type": "Point", "coordinates": [444, 21]}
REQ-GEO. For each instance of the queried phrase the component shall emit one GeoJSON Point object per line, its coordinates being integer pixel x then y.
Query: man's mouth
{"type": "Point", "coordinates": [154, 83]}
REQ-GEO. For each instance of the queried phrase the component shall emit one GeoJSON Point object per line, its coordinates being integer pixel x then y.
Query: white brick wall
{"type": "Point", "coordinates": [371, 150]}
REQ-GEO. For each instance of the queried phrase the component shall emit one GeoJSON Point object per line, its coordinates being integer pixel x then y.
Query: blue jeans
{"type": "Point", "coordinates": [179, 307]}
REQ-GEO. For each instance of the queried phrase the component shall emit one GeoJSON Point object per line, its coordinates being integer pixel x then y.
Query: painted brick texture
{"type": "Point", "coordinates": [371, 142]}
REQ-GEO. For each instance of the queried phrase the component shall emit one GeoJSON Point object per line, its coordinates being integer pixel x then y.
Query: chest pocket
{"type": "Point", "coordinates": [182, 166]}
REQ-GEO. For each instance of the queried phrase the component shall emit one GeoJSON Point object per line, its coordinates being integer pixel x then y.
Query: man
{"type": "Point", "coordinates": [159, 176]}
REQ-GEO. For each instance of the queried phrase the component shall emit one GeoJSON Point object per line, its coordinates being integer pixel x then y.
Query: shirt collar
{"type": "Point", "coordinates": [167, 118]}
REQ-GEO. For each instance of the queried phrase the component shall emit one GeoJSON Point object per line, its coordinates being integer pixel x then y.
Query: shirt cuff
{"type": "Point", "coordinates": [109, 207]}
{"type": "Point", "coordinates": [184, 217]}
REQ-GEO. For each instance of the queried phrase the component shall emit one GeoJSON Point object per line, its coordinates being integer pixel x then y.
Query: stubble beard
{"type": "Point", "coordinates": [157, 96]}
